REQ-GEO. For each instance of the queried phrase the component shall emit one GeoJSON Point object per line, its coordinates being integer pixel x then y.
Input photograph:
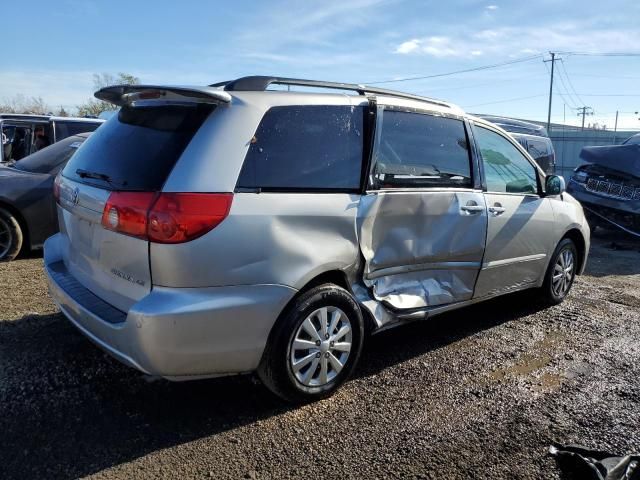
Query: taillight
{"type": "Point", "coordinates": [56, 188]}
{"type": "Point", "coordinates": [180, 217]}
{"type": "Point", "coordinates": [165, 217]}
{"type": "Point", "coordinates": [126, 212]}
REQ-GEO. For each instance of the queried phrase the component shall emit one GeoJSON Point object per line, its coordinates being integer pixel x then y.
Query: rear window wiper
{"type": "Point", "coordinates": [98, 176]}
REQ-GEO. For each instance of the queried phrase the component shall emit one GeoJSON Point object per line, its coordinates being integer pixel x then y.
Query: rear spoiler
{"type": "Point", "coordinates": [128, 94]}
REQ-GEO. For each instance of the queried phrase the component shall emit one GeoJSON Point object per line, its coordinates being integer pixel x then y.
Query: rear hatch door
{"type": "Point", "coordinates": [134, 151]}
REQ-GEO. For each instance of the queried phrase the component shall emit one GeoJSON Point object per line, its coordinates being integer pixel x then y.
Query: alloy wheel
{"type": "Point", "coordinates": [321, 346]}
{"type": "Point", "coordinates": [6, 238]}
{"type": "Point", "coordinates": [562, 273]}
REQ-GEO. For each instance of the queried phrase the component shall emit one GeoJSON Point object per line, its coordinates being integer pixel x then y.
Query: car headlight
{"type": "Point", "coordinates": [580, 176]}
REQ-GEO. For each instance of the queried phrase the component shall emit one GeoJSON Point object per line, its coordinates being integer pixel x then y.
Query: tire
{"type": "Point", "coordinates": [286, 369]}
{"type": "Point", "coordinates": [10, 236]}
{"type": "Point", "coordinates": [554, 291]}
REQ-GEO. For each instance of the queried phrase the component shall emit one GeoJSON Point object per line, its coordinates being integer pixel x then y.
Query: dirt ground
{"type": "Point", "coordinates": [478, 393]}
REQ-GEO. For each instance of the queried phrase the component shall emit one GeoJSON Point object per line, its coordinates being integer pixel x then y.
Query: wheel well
{"type": "Point", "coordinates": [336, 277]}
{"type": "Point", "coordinates": [576, 237]}
{"type": "Point", "coordinates": [26, 242]}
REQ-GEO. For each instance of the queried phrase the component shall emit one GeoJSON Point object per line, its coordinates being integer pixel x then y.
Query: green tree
{"type": "Point", "coordinates": [94, 107]}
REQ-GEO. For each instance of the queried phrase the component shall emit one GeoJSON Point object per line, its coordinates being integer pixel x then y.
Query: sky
{"type": "Point", "coordinates": [53, 50]}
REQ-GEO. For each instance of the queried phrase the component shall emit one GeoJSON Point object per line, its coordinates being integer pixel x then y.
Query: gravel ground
{"type": "Point", "coordinates": [479, 393]}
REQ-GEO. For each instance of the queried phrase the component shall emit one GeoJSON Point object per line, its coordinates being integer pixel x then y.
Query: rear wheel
{"type": "Point", "coordinates": [561, 273]}
{"type": "Point", "coordinates": [10, 236]}
{"type": "Point", "coordinates": [314, 346]}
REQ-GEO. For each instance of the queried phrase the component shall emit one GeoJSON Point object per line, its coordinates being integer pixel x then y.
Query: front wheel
{"type": "Point", "coordinates": [561, 273]}
{"type": "Point", "coordinates": [314, 345]}
{"type": "Point", "coordinates": [10, 236]}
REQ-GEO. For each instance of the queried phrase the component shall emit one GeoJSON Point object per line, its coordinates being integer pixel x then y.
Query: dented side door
{"type": "Point", "coordinates": [422, 241]}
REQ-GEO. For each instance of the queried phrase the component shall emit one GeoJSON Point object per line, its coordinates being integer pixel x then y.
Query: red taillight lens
{"type": "Point", "coordinates": [126, 212]}
{"type": "Point", "coordinates": [56, 188]}
{"type": "Point", "coordinates": [180, 217]}
{"type": "Point", "coordinates": [165, 217]}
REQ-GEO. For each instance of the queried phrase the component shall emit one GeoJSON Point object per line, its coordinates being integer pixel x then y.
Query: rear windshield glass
{"type": "Point", "coordinates": [309, 147]}
{"type": "Point", "coordinates": [137, 149]}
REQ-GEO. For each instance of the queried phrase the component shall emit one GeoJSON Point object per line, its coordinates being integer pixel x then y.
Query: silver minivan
{"type": "Point", "coordinates": [248, 226]}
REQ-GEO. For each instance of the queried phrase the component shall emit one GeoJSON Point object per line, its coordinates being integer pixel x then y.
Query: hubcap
{"type": "Point", "coordinates": [5, 238]}
{"type": "Point", "coordinates": [321, 347]}
{"type": "Point", "coordinates": [562, 273]}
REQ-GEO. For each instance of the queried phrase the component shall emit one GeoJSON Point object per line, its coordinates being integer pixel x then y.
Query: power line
{"type": "Point", "coordinates": [567, 102]}
{"type": "Point", "coordinates": [602, 54]}
{"type": "Point", "coordinates": [456, 72]}
{"type": "Point", "coordinates": [566, 74]}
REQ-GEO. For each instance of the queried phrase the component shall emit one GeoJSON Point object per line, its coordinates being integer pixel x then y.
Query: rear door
{"type": "Point", "coordinates": [423, 220]}
{"type": "Point", "coordinates": [133, 152]}
{"type": "Point", "coordinates": [520, 229]}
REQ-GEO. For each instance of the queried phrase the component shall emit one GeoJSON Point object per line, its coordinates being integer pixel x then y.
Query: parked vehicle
{"type": "Point", "coordinates": [23, 135]}
{"type": "Point", "coordinates": [27, 208]}
{"type": "Point", "coordinates": [229, 229]}
{"type": "Point", "coordinates": [608, 185]}
{"type": "Point", "coordinates": [534, 138]}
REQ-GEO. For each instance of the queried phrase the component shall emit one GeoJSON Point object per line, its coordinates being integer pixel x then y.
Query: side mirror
{"type": "Point", "coordinates": [555, 185]}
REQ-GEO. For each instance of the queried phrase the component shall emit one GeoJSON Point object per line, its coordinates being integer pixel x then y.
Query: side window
{"type": "Point", "coordinates": [505, 168]}
{"type": "Point", "coordinates": [420, 150]}
{"type": "Point", "coordinates": [316, 147]}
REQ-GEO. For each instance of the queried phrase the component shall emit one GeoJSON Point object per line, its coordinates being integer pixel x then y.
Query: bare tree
{"type": "Point", "coordinates": [21, 104]}
{"type": "Point", "coordinates": [93, 108]}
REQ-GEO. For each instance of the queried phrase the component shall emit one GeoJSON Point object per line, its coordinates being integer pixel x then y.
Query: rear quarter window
{"type": "Point", "coordinates": [309, 147]}
{"type": "Point", "coordinates": [137, 148]}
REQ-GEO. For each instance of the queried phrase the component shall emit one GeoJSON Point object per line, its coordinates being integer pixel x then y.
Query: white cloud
{"type": "Point", "coordinates": [408, 46]}
{"type": "Point", "coordinates": [491, 7]}
{"type": "Point", "coordinates": [505, 41]}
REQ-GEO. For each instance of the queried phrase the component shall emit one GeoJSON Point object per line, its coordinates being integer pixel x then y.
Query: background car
{"type": "Point", "coordinates": [27, 207]}
{"type": "Point", "coordinates": [532, 137]}
{"type": "Point", "coordinates": [23, 135]}
{"type": "Point", "coordinates": [608, 185]}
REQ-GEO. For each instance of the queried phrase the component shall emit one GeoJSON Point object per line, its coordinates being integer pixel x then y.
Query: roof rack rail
{"type": "Point", "coordinates": [260, 83]}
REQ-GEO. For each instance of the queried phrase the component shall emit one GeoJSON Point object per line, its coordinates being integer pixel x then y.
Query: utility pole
{"type": "Point", "coordinates": [584, 111]}
{"type": "Point", "coordinates": [615, 128]}
{"type": "Point", "coordinates": [553, 62]}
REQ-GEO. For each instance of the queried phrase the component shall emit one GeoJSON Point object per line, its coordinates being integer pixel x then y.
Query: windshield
{"type": "Point", "coordinates": [635, 140]}
{"type": "Point", "coordinates": [137, 148]}
{"type": "Point", "coordinates": [51, 158]}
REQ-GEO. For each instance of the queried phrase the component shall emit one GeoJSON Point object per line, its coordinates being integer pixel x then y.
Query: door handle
{"type": "Point", "coordinates": [496, 210]}
{"type": "Point", "coordinates": [472, 207]}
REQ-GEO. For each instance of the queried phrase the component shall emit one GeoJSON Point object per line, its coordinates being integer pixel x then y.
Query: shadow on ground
{"type": "Point", "coordinates": [69, 410]}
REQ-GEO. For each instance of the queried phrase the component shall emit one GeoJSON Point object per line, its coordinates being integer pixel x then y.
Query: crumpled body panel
{"type": "Point", "coordinates": [420, 248]}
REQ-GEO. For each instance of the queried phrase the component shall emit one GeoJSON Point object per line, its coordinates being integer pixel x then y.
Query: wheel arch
{"type": "Point", "coordinates": [576, 236]}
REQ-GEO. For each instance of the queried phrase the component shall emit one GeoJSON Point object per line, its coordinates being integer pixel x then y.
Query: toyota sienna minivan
{"type": "Point", "coordinates": [243, 228]}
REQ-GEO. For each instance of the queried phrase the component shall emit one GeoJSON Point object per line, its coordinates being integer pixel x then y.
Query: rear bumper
{"type": "Point", "coordinates": [177, 333]}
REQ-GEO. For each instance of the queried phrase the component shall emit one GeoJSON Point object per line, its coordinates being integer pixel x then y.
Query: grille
{"type": "Point", "coordinates": [612, 189]}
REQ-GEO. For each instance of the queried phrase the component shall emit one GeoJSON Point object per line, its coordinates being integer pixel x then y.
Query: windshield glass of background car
{"type": "Point", "coordinates": [313, 147]}
{"type": "Point", "coordinates": [417, 149]}
{"type": "Point", "coordinates": [635, 140]}
{"type": "Point", "coordinates": [506, 169]}
{"type": "Point", "coordinates": [65, 129]}
{"type": "Point", "coordinates": [138, 148]}
{"type": "Point", "coordinates": [47, 159]}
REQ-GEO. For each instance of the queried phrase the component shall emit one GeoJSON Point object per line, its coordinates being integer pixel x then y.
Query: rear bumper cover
{"type": "Point", "coordinates": [176, 333]}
